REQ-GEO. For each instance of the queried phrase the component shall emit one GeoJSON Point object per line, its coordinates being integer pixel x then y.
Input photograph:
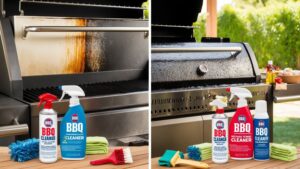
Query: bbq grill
{"type": "Point", "coordinates": [187, 76]}
{"type": "Point", "coordinates": [85, 44]}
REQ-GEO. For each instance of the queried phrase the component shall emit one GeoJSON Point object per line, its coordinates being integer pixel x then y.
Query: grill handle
{"type": "Point", "coordinates": [14, 130]}
{"type": "Point", "coordinates": [283, 99]}
{"type": "Point", "coordinates": [235, 50]}
{"type": "Point", "coordinates": [28, 29]}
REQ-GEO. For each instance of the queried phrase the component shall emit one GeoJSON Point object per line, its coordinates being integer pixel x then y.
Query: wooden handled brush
{"type": "Point", "coordinates": [176, 160]}
{"type": "Point", "coordinates": [172, 158]}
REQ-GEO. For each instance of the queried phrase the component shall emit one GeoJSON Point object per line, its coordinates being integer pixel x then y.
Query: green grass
{"type": "Point", "coordinates": [287, 131]}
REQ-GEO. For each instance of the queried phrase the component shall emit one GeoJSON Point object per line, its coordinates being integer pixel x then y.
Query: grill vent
{"type": "Point", "coordinates": [196, 101]}
{"type": "Point", "coordinates": [31, 95]}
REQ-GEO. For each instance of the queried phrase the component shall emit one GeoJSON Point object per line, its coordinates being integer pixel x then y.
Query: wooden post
{"type": "Point", "coordinates": [211, 20]}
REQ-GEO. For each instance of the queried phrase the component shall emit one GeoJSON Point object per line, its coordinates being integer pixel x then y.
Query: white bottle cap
{"type": "Point", "coordinates": [74, 101]}
{"type": "Point", "coordinates": [270, 62]}
{"type": "Point", "coordinates": [260, 106]}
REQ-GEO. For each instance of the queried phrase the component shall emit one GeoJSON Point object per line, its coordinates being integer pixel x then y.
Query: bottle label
{"type": "Point", "coordinates": [73, 133]}
{"type": "Point", "coordinates": [48, 136]}
{"type": "Point", "coordinates": [261, 139]}
{"type": "Point", "coordinates": [219, 139]}
{"type": "Point", "coordinates": [241, 135]}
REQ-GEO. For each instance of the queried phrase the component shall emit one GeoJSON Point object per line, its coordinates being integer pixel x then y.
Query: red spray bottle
{"type": "Point", "coordinates": [241, 126]}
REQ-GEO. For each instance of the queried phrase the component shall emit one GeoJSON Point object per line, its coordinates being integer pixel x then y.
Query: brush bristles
{"type": "Point", "coordinates": [127, 155]}
{"type": "Point", "coordinates": [24, 150]}
{"type": "Point", "coordinates": [120, 156]}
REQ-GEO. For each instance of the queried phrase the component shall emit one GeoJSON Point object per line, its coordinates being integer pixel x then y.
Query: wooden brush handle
{"type": "Point", "coordinates": [195, 164]}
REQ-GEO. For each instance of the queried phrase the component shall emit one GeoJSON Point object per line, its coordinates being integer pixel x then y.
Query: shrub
{"type": "Point", "coordinates": [272, 32]}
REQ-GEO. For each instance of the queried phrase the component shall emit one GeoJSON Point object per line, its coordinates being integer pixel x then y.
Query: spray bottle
{"type": "Point", "coordinates": [47, 129]}
{"type": "Point", "coordinates": [73, 126]}
{"type": "Point", "coordinates": [219, 131]}
{"type": "Point", "coordinates": [261, 131]}
{"type": "Point", "coordinates": [241, 126]}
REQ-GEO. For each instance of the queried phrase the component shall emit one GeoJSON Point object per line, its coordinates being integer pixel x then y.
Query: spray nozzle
{"type": "Point", "coordinates": [73, 91]}
{"type": "Point", "coordinates": [220, 102]}
{"type": "Point", "coordinates": [241, 93]}
{"type": "Point", "coordinates": [47, 98]}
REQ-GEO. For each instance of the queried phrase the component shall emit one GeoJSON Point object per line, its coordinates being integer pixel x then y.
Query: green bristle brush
{"type": "Point", "coordinates": [173, 158]}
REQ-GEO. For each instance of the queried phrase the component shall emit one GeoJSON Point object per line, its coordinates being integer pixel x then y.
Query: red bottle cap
{"type": "Point", "coordinates": [220, 111]}
{"type": "Point", "coordinates": [48, 99]}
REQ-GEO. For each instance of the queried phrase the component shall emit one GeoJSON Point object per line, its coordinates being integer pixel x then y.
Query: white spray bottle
{"type": "Point", "coordinates": [219, 131]}
{"type": "Point", "coordinates": [47, 129]}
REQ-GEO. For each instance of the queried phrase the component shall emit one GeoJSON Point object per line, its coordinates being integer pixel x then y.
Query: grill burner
{"type": "Point", "coordinates": [98, 89]}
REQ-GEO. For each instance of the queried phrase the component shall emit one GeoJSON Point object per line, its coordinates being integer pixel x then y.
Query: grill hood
{"type": "Point", "coordinates": [188, 64]}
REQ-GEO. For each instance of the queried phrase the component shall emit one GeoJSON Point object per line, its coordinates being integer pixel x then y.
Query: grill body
{"type": "Point", "coordinates": [112, 72]}
{"type": "Point", "coordinates": [186, 77]}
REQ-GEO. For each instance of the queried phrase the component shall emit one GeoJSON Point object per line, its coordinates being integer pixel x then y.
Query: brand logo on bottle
{"type": "Point", "coordinates": [261, 129]}
{"type": "Point", "coordinates": [261, 123]}
{"type": "Point", "coordinates": [242, 119]}
{"type": "Point", "coordinates": [75, 118]}
{"type": "Point", "coordinates": [48, 132]}
{"type": "Point", "coordinates": [48, 122]}
{"type": "Point", "coordinates": [220, 124]}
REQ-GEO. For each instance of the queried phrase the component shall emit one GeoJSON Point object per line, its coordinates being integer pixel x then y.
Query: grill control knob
{"type": "Point", "coordinates": [202, 69]}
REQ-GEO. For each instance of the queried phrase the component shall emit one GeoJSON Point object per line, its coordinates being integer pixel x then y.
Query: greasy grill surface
{"type": "Point", "coordinates": [31, 95]}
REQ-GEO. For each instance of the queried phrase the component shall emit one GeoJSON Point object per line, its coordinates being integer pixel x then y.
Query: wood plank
{"type": "Point", "coordinates": [243, 164]}
{"type": "Point", "coordinates": [140, 167]}
{"type": "Point", "coordinates": [140, 157]}
{"type": "Point", "coordinates": [4, 154]}
{"type": "Point", "coordinates": [211, 20]}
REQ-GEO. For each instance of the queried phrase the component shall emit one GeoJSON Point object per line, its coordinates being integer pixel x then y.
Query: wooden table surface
{"type": "Point", "coordinates": [140, 161]}
{"type": "Point", "coordinates": [248, 164]}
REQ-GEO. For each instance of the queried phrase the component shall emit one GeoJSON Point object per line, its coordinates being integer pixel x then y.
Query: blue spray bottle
{"type": "Point", "coordinates": [261, 131]}
{"type": "Point", "coordinates": [73, 126]}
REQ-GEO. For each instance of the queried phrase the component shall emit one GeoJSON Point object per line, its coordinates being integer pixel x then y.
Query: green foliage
{"type": "Point", "coordinates": [228, 24]}
{"type": "Point", "coordinates": [145, 5]}
{"type": "Point", "coordinates": [273, 32]}
{"type": "Point", "coordinates": [199, 29]}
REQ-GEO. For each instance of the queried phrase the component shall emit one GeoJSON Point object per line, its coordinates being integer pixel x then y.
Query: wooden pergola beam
{"type": "Point", "coordinates": [211, 20]}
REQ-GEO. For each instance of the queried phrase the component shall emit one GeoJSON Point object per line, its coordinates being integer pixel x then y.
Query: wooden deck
{"type": "Point", "coordinates": [140, 158]}
{"type": "Point", "coordinates": [249, 164]}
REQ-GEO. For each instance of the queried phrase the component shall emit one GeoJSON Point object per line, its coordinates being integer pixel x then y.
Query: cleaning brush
{"type": "Point", "coordinates": [24, 150]}
{"type": "Point", "coordinates": [200, 151]}
{"type": "Point", "coordinates": [118, 157]}
{"type": "Point", "coordinates": [173, 158]}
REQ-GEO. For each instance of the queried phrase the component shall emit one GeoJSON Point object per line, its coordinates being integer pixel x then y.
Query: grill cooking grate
{"type": "Point", "coordinates": [31, 95]}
